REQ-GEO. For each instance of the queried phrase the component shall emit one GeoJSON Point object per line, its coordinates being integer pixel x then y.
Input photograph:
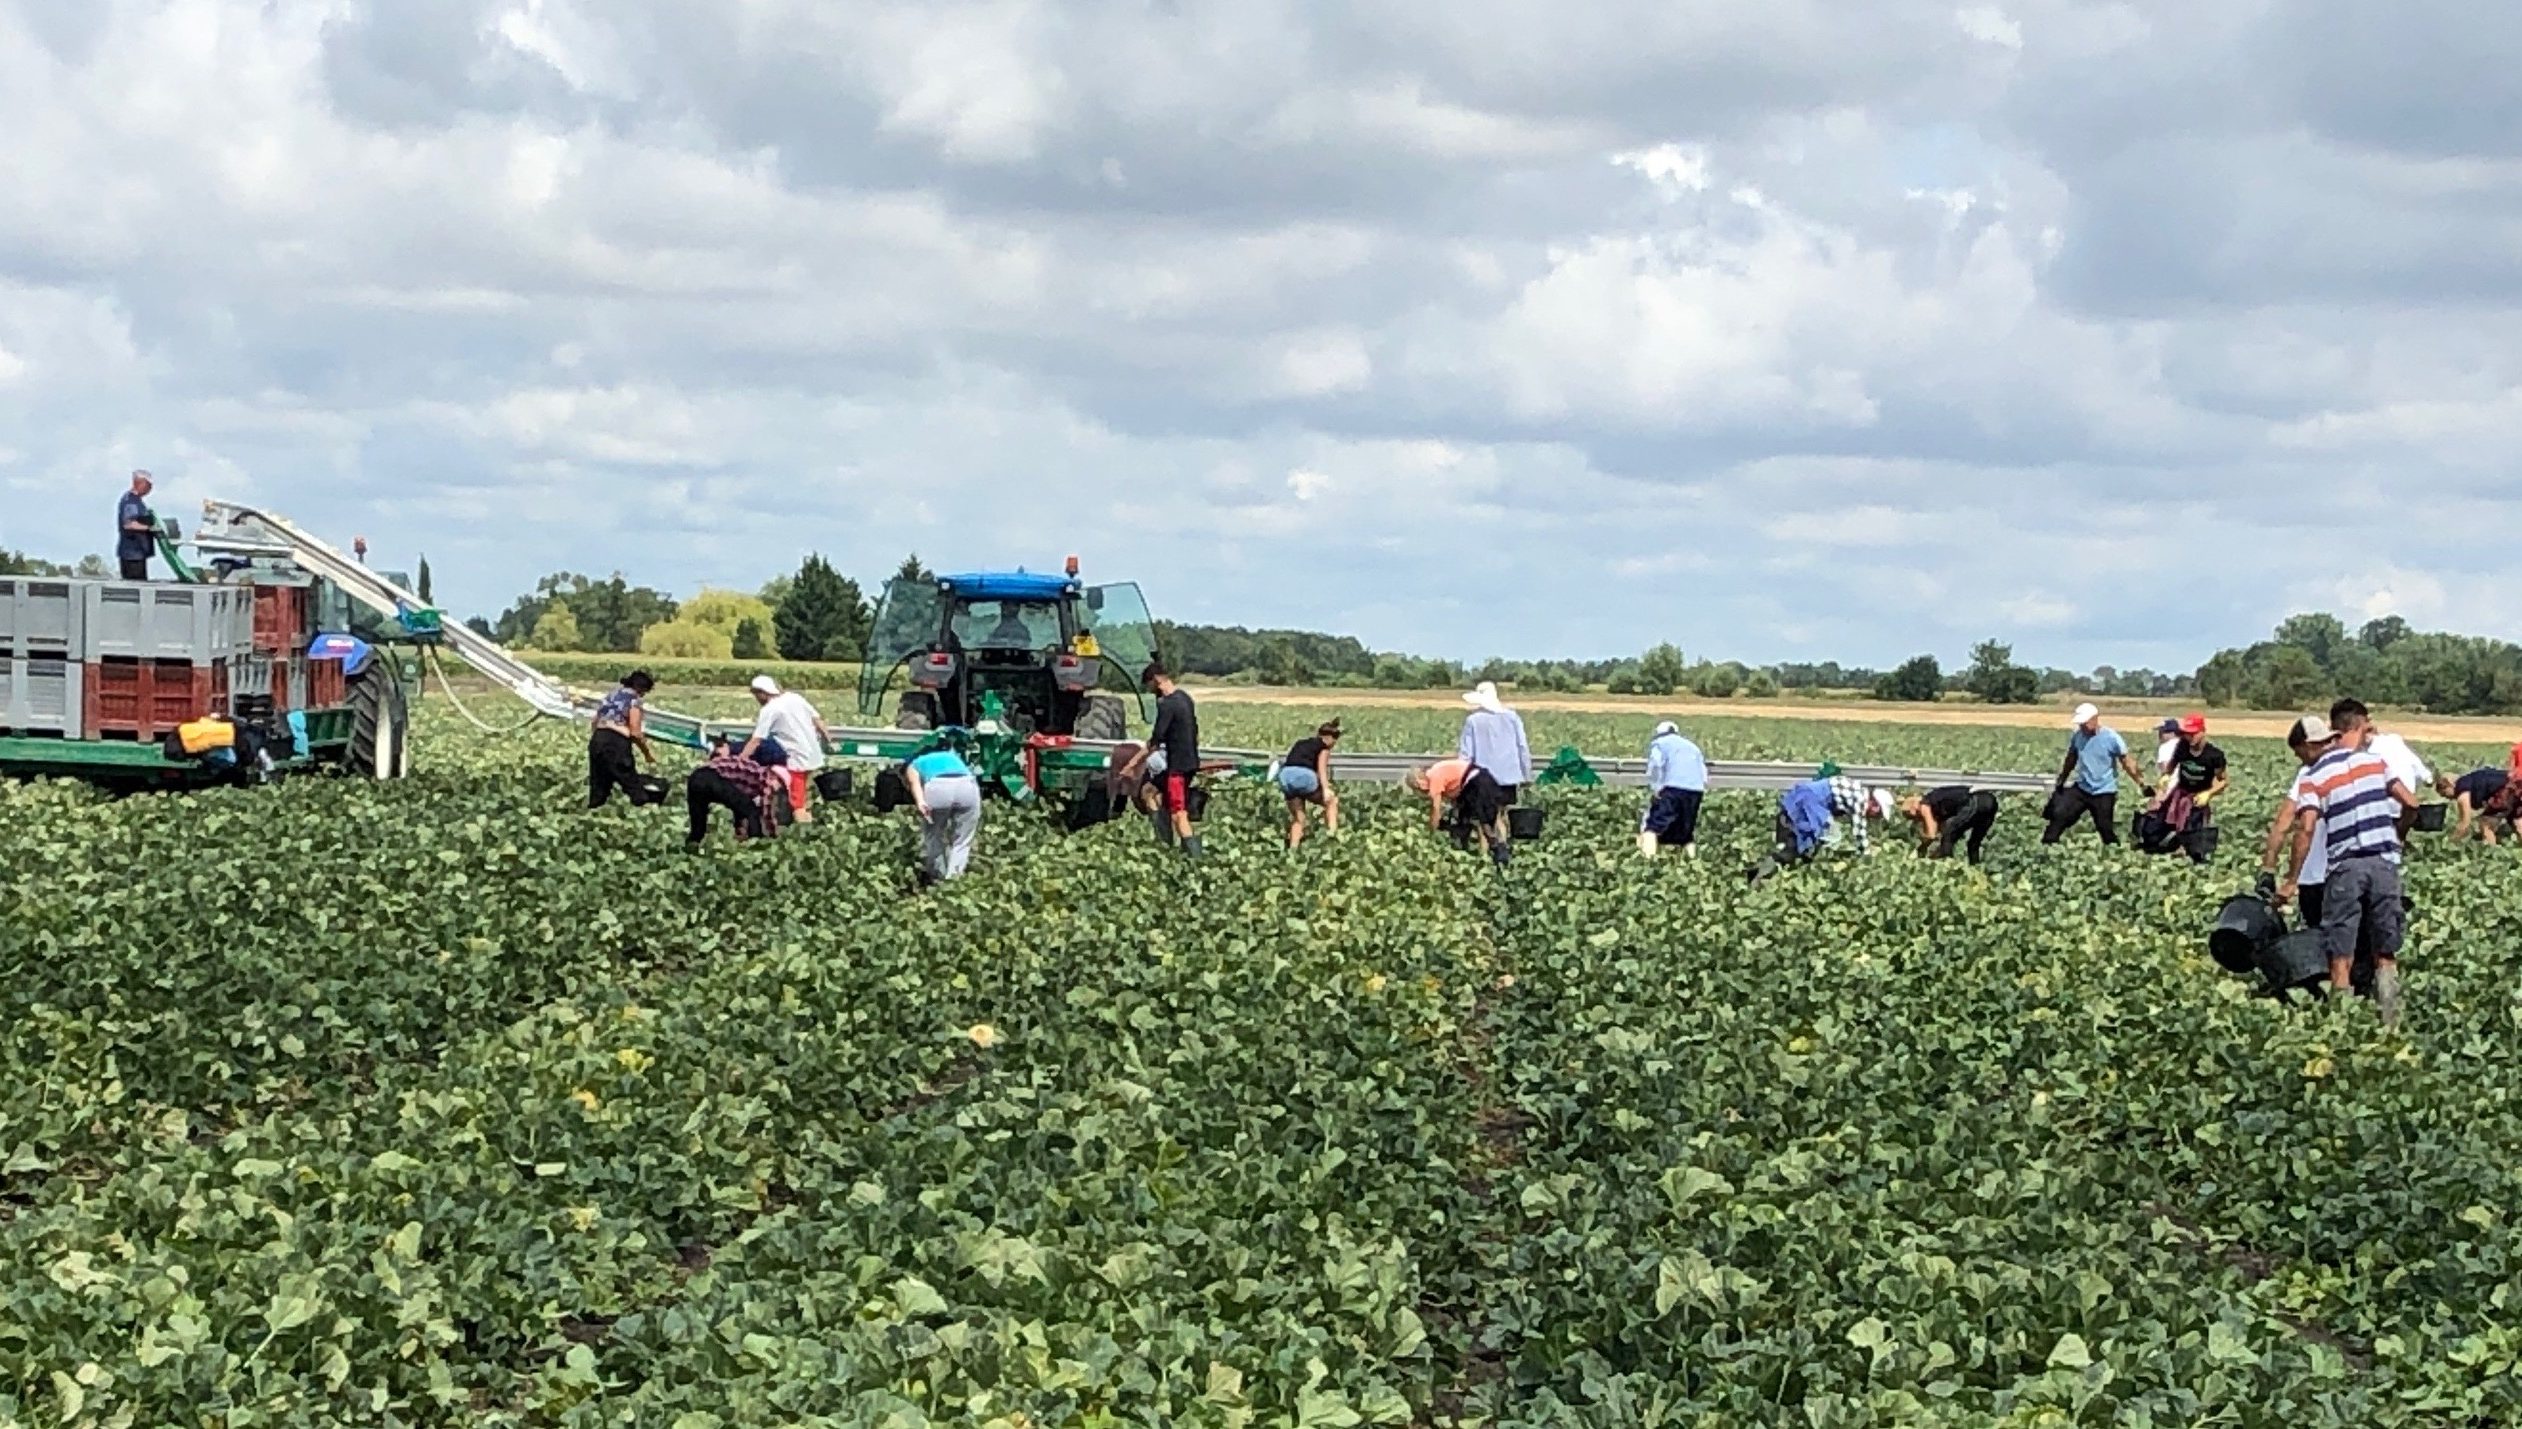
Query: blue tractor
{"type": "Point", "coordinates": [1062, 657]}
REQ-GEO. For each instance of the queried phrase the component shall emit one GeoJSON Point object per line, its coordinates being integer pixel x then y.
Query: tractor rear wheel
{"type": "Point", "coordinates": [1104, 719]}
{"type": "Point", "coordinates": [917, 710]}
{"type": "Point", "coordinates": [380, 738]}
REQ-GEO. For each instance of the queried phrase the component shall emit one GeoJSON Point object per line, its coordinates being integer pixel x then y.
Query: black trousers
{"type": "Point", "coordinates": [611, 765]}
{"type": "Point", "coordinates": [1973, 822]}
{"type": "Point", "coordinates": [708, 789]}
{"type": "Point", "coordinates": [2071, 803]}
{"type": "Point", "coordinates": [136, 570]}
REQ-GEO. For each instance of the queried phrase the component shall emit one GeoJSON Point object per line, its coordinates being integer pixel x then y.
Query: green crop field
{"type": "Point", "coordinates": [449, 1103]}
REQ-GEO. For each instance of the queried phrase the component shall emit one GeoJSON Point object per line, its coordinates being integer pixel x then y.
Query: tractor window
{"type": "Point", "coordinates": [907, 623]}
{"type": "Point", "coordinates": [1008, 625]}
{"type": "Point", "coordinates": [1125, 632]}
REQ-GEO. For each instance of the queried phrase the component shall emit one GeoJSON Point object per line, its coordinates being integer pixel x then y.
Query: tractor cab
{"type": "Point", "coordinates": [1063, 657]}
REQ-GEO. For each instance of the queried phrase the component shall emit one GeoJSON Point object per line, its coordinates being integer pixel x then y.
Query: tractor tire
{"type": "Point", "coordinates": [380, 739]}
{"type": "Point", "coordinates": [1104, 719]}
{"type": "Point", "coordinates": [917, 710]}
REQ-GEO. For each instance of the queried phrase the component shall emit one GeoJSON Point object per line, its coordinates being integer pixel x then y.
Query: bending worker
{"type": "Point", "coordinates": [1440, 782]}
{"type": "Point", "coordinates": [1809, 818]}
{"type": "Point", "coordinates": [947, 799]}
{"type": "Point", "coordinates": [1305, 778]}
{"type": "Point", "coordinates": [1950, 814]}
{"type": "Point", "coordinates": [2471, 794]}
{"type": "Point", "coordinates": [1677, 781]}
{"type": "Point", "coordinates": [620, 728]}
{"type": "Point", "coordinates": [753, 794]}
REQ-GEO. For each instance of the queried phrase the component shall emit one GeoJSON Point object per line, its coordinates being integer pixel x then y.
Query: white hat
{"type": "Point", "coordinates": [2086, 714]}
{"type": "Point", "coordinates": [1668, 727]}
{"type": "Point", "coordinates": [765, 685]}
{"type": "Point", "coordinates": [2311, 729]}
{"type": "Point", "coordinates": [1882, 803]}
{"type": "Point", "coordinates": [1483, 696]}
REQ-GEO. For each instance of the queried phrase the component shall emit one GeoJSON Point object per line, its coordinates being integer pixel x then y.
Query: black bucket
{"type": "Point", "coordinates": [1523, 823]}
{"type": "Point", "coordinates": [2295, 960]}
{"type": "Point", "coordinates": [2201, 841]}
{"type": "Point", "coordinates": [833, 784]}
{"type": "Point", "coordinates": [2244, 925]}
{"type": "Point", "coordinates": [892, 790]}
{"type": "Point", "coordinates": [1195, 802]}
{"type": "Point", "coordinates": [2430, 818]}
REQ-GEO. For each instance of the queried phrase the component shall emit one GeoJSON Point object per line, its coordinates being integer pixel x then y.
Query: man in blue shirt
{"type": "Point", "coordinates": [135, 529]}
{"type": "Point", "coordinates": [1493, 740]}
{"type": "Point", "coordinates": [1676, 781]}
{"type": "Point", "coordinates": [2088, 783]}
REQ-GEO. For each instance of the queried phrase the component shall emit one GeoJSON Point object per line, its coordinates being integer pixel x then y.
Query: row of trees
{"type": "Point", "coordinates": [815, 614]}
{"type": "Point", "coordinates": [2311, 658]}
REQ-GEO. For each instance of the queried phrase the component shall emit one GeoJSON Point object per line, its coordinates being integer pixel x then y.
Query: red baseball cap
{"type": "Point", "coordinates": [2193, 724]}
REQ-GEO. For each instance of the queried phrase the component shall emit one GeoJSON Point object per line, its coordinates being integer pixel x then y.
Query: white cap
{"type": "Point", "coordinates": [1483, 696]}
{"type": "Point", "coordinates": [2086, 714]}
{"type": "Point", "coordinates": [1882, 803]}
{"type": "Point", "coordinates": [765, 685]}
{"type": "Point", "coordinates": [1668, 727]}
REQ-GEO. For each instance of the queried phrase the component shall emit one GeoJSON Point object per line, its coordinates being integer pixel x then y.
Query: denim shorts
{"type": "Point", "coordinates": [1300, 783]}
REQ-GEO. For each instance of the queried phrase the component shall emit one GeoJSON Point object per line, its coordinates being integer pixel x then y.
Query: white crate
{"type": "Point", "coordinates": [39, 694]}
{"type": "Point", "coordinates": [41, 615]}
{"type": "Point", "coordinates": [142, 620]}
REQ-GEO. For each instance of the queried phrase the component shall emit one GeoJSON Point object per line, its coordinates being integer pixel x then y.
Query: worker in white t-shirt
{"type": "Point", "coordinates": [2354, 724]}
{"type": "Point", "coordinates": [797, 733]}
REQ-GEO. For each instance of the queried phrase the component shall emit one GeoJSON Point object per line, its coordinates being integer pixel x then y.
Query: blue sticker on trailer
{"type": "Point", "coordinates": [353, 652]}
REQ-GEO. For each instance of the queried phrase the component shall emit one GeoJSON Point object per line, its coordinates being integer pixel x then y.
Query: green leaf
{"type": "Point", "coordinates": [2070, 1353]}
{"type": "Point", "coordinates": [1323, 1409]}
{"type": "Point", "coordinates": [916, 1297]}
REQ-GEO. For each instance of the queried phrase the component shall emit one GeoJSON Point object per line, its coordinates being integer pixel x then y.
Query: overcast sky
{"type": "Point", "coordinates": [1782, 329]}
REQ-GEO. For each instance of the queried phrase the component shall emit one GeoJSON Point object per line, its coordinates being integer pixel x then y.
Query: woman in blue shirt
{"type": "Point", "coordinates": [948, 800]}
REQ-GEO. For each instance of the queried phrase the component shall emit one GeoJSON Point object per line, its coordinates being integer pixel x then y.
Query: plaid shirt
{"type": "Point", "coordinates": [763, 784]}
{"type": "Point", "coordinates": [1848, 802]}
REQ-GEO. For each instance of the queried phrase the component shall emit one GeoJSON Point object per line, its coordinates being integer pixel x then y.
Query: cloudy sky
{"type": "Point", "coordinates": [1778, 328]}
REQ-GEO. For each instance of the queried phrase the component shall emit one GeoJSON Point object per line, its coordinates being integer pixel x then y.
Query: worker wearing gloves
{"type": "Point", "coordinates": [753, 794]}
{"type": "Point", "coordinates": [789, 735]}
{"type": "Point", "coordinates": [1947, 816]}
{"type": "Point", "coordinates": [1677, 783]}
{"type": "Point", "coordinates": [2088, 783]}
{"type": "Point", "coordinates": [947, 798]}
{"type": "Point", "coordinates": [1493, 740]}
{"type": "Point", "coordinates": [620, 730]}
{"type": "Point", "coordinates": [2197, 777]}
{"type": "Point", "coordinates": [1305, 778]}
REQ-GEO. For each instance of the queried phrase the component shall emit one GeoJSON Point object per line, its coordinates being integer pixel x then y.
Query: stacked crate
{"type": "Point", "coordinates": [281, 626]}
{"type": "Point", "coordinates": [41, 620]}
{"type": "Point", "coordinates": [158, 656]}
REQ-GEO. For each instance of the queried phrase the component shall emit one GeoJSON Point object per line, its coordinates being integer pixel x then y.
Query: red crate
{"type": "Point", "coordinates": [280, 618]}
{"type": "Point", "coordinates": [147, 699]}
{"type": "Point", "coordinates": [326, 686]}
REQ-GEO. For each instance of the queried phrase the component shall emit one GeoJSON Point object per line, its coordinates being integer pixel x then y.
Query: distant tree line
{"type": "Point", "coordinates": [2311, 658]}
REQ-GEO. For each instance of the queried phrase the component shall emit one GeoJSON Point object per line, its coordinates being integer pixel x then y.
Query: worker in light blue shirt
{"type": "Point", "coordinates": [947, 798]}
{"type": "Point", "coordinates": [1676, 783]}
{"type": "Point", "coordinates": [1493, 740]}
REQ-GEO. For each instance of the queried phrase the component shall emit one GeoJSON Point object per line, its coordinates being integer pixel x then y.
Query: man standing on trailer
{"type": "Point", "coordinates": [135, 528]}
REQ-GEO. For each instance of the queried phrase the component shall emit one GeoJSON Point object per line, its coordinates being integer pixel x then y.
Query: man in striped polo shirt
{"type": "Point", "coordinates": [2350, 799]}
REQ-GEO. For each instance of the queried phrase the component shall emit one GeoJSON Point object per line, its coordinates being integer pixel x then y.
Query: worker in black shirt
{"type": "Point", "coordinates": [2470, 795]}
{"type": "Point", "coordinates": [1176, 737]}
{"type": "Point", "coordinates": [1947, 815]}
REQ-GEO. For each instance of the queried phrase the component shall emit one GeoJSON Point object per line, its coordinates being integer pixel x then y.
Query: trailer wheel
{"type": "Point", "coordinates": [380, 739]}
{"type": "Point", "coordinates": [917, 710]}
{"type": "Point", "coordinates": [1104, 719]}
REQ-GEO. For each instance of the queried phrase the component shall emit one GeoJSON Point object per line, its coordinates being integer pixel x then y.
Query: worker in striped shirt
{"type": "Point", "coordinates": [2351, 800]}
